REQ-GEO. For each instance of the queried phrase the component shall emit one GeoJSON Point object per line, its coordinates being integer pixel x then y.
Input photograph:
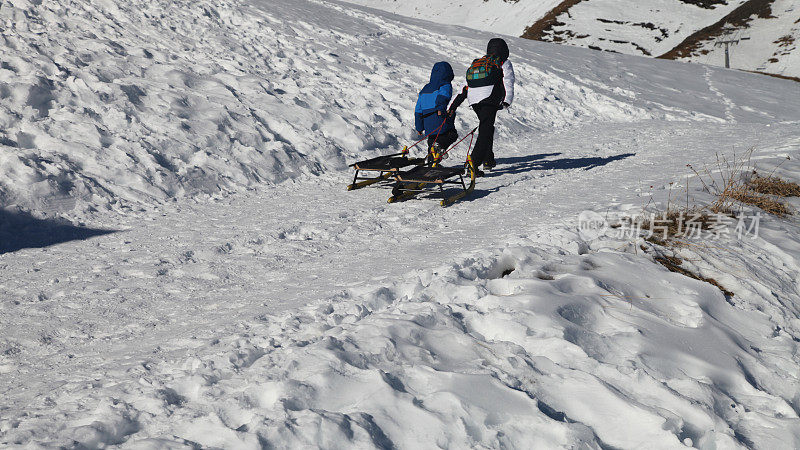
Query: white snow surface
{"type": "Point", "coordinates": [231, 311]}
{"type": "Point", "coordinates": [510, 17]}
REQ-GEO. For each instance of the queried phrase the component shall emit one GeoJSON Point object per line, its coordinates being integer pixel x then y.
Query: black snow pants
{"type": "Point", "coordinates": [483, 144]}
{"type": "Point", "coordinates": [444, 140]}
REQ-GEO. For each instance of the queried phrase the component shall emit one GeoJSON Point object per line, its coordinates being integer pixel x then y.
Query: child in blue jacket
{"type": "Point", "coordinates": [430, 114]}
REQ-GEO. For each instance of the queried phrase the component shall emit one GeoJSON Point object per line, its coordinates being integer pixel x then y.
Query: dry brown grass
{"type": "Point", "coordinates": [673, 264]}
{"type": "Point", "coordinates": [735, 183]}
{"type": "Point", "coordinates": [678, 224]}
{"type": "Point", "coordinates": [670, 231]}
{"type": "Point", "coordinates": [539, 30]}
{"type": "Point", "coordinates": [764, 202]}
{"type": "Point", "coordinates": [765, 192]}
{"type": "Point", "coordinates": [725, 182]}
{"type": "Point", "coordinates": [772, 185]}
{"type": "Point", "coordinates": [673, 234]}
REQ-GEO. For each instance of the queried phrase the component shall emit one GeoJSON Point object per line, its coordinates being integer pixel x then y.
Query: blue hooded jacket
{"type": "Point", "coordinates": [434, 97]}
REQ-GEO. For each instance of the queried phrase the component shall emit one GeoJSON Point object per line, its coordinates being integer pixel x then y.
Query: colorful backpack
{"type": "Point", "coordinates": [485, 71]}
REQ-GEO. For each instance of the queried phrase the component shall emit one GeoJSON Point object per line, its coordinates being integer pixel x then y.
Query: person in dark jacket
{"type": "Point", "coordinates": [486, 101]}
{"type": "Point", "coordinates": [430, 113]}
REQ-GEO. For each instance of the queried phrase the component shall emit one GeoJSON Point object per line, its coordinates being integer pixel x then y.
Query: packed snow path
{"type": "Point", "coordinates": [89, 314]}
{"type": "Point", "coordinates": [188, 326]}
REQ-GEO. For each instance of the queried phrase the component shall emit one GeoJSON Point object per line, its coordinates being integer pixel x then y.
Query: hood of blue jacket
{"type": "Point", "coordinates": [441, 74]}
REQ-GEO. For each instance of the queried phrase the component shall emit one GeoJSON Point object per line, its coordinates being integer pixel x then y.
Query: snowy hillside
{"type": "Point", "coordinates": [683, 29]}
{"type": "Point", "coordinates": [764, 44]}
{"type": "Point", "coordinates": [219, 288]}
{"type": "Point", "coordinates": [645, 27]}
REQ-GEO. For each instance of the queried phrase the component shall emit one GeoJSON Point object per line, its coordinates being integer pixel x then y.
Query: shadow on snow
{"type": "Point", "coordinates": [21, 230]}
{"type": "Point", "coordinates": [519, 164]}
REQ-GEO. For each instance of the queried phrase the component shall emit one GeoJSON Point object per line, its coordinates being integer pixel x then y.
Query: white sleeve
{"type": "Point", "coordinates": [456, 94]}
{"type": "Point", "coordinates": [508, 81]}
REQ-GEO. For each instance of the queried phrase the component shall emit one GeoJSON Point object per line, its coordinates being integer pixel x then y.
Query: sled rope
{"type": "Point", "coordinates": [471, 135]}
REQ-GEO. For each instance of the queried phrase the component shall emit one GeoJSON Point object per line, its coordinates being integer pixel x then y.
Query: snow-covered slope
{"type": "Point", "coordinates": [764, 44]}
{"type": "Point", "coordinates": [509, 17]}
{"type": "Point", "coordinates": [685, 28]}
{"type": "Point", "coordinates": [298, 315]}
{"type": "Point", "coordinates": [149, 101]}
{"type": "Point", "coordinates": [161, 106]}
{"type": "Point", "coordinates": [649, 27]}
{"type": "Point", "coordinates": [645, 27]}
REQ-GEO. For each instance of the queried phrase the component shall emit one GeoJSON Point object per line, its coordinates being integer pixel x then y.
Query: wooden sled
{"type": "Point", "coordinates": [430, 178]}
{"type": "Point", "coordinates": [385, 166]}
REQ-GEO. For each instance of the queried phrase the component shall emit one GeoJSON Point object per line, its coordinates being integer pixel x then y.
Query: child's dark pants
{"type": "Point", "coordinates": [444, 140]}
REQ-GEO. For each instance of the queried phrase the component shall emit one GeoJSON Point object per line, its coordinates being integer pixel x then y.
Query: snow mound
{"type": "Point", "coordinates": [523, 344]}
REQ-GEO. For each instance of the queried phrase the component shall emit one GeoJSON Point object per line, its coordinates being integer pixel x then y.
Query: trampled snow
{"type": "Point", "coordinates": [244, 299]}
